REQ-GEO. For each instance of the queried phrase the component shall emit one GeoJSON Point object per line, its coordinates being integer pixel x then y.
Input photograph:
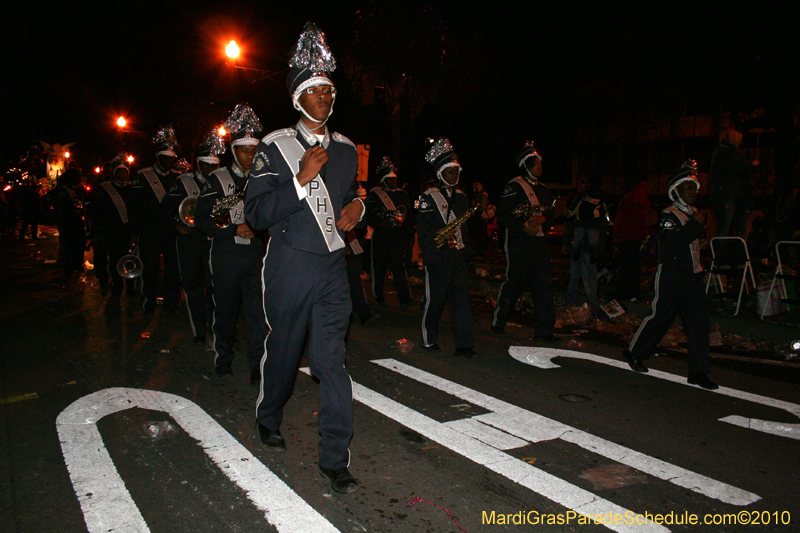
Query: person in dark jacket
{"type": "Point", "coordinates": [68, 199]}
{"type": "Point", "coordinates": [679, 286]}
{"type": "Point", "coordinates": [729, 181]}
{"type": "Point", "coordinates": [589, 215]}
{"type": "Point", "coordinates": [630, 232]}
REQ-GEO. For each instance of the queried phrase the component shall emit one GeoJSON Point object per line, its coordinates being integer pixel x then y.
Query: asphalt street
{"type": "Point", "coordinates": [116, 421]}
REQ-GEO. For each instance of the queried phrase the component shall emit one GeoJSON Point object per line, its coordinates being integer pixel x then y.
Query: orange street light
{"type": "Point", "coordinates": [121, 122]}
{"type": "Point", "coordinates": [232, 50]}
{"type": "Point", "coordinates": [97, 170]}
{"type": "Point", "coordinates": [130, 159]}
{"type": "Point", "coordinates": [67, 154]}
{"type": "Point", "coordinates": [222, 131]}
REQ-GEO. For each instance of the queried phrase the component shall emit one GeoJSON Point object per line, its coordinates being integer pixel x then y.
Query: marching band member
{"type": "Point", "coordinates": [303, 189]}
{"type": "Point", "coordinates": [236, 250]}
{"type": "Point", "coordinates": [194, 246]}
{"type": "Point", "coordinates": [446, 268]}
{"type": "Point", "coordinates": [527, 254]}
{"type": "Point", "coordinates": [155, 231]}
{"type": "Point", "coordinates": [389, 214]}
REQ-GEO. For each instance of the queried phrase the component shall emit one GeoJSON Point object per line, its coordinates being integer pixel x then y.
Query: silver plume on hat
{"type": "Point", "coordinates": [442, 146]}
{"type": "Point", "coordinates": [385, 166]}
{"type": "Point", "coordinates": [690, 167]}
{"type": "Point", "coordinates": [215, 143]}
{"type": "Point", "coordinates": [243, 118]}
{"type": "Point", "coordinates": [165, 137]}
{"type": "Point", "coordinates": [120, 159]}
{"type": "Point", "coordinates": [312, 51]}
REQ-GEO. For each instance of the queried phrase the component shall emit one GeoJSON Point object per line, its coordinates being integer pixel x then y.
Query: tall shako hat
{"type": "Point", "coordinates": [386, 169]}
{"type": "Point", "coordinates": [210, 150]}
{"type": "Point", "coordinates": [119, 161]}
{"type": "Point", "coordinates": [165, 141]}
{"type": "Point", "coordinates": [687, 172]}
{"type": "Point", "coordinates": [441, 156]}
{"type": "Point", "coordinates": [310, 65]}
{"type": "Point", "coordinates": [244, 126]}
{"type": "Point", "coordinates": [526, 153]}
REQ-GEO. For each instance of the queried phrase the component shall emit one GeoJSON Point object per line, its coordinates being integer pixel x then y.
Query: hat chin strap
{"type": "Point", "coordinates": [296, 104]}
{"type": "Point", "coordinates": [439, 175]}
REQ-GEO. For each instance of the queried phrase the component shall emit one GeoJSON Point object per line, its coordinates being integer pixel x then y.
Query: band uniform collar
{"type": "Point", "coordinates": [310, 137]}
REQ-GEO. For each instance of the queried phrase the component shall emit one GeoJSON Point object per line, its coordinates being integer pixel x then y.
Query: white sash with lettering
{"type": "Point", "coordinates": [237, 211]}
{"type": "Point", "coordinates": [694, 247]}
{"type": "Point", "coordinates": [318, 199]}
{"type": "Point", "coordinates": [155, 184]}
{"type": "Point", "coordinates": [387, 202]}
{"type": "Point", "coordinates": [119, 203]}
{"type": "Point", "coordinates": [190, 185]}
{"type": "Point", "coordinates": [441, 205]}
{"type": "Point", "coordinates": [531, 196]}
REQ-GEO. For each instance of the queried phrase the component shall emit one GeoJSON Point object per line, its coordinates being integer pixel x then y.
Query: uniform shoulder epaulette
{"type": "Point", "coordinates": [338, 137]}
{"type": "Point", "coordinates": [431, 190]}
{"type": "Point", "coordinates": [285, 132]}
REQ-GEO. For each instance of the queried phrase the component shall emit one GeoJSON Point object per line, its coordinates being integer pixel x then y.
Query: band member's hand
{"type": "Point", "coordinates": [351, 213]}
{"type": "Point", "coordinates": [181, 229]}
{"type": "Point", "coordinates": [245, 231]}
{"type": "Point", "coordinates": [533, 225]}
{"type": "Point", "coordinates": [311, 163]}
{"type": "Point", "coordinates": [700, 216]}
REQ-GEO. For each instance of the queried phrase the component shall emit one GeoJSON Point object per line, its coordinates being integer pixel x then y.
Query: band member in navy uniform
{"type": "Point", "coordinates": [111, 227]}
{"type": "Point", "coordinates": [154, 228]}
{"type": "Point", "coordinates": [446, 268]}
{"type": "Point", "coordinates": [193, 245]}
{"type": "Point", "coordinates": [527, 254]}
{"type": "Point", "coordinates": [237, 250]}
{"type": "Point", "coordinates": [679, 281]}
{"type": "Point", "coordinates": [303, 188]}
{"type": "Point", "coordinates": [389, 214]}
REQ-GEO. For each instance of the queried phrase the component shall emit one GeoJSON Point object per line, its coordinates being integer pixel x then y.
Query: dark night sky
{"type": "Point", "coordinates": [527, 70]}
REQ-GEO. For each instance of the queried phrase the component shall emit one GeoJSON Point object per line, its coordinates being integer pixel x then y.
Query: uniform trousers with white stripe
{"type": "Point", "coordinates": [308, 293]}
{"type": "Point", "coordinates": [236, 275]}
{"type": "Point", "coordinates": [195, 270]}
{"type": "Point", "coordinates": [676, 294]}
{"type": "Point", "coordinates": [446, 279]}
{"type": "Point", "coordinates": [528, 265]}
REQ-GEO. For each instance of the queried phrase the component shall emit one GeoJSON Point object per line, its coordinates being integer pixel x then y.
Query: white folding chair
{"type": "Point", "coordinates": [781, 276]}
{"type": "Point", "coordinates": [714, 273]}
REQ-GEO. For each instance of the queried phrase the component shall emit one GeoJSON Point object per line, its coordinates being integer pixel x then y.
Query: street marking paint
{"type": "Point", "coordinates": [556, 489]}
{"type": "Point", "coordinates": [536, 428]}
{"type": "Point", "coordinates": [106, 503]}
{"type": "Point", "coordinates": [541, 358]}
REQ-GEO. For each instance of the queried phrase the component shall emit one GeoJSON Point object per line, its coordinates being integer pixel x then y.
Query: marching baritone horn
{"type": "Point", "coordinates": [186, 210]}
{"type": "Point", "coordinates": [397, 216]}
{"type": "Point", "coordinates": [130, 266]}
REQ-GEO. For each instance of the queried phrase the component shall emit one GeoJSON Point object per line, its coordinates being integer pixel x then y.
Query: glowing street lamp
{"type": "Point", "coordinates": [97, 170]}
{"type": "Point", "coordinates": [130, 159]}
{"type": "Point", "coordinates": [232, 50]}
{"type": "Point", "coordinates": [121, 122]}
{"type": "Point", "coordinates": [222, 131]}
{"type": "Point", "coordinates": [67, 154]}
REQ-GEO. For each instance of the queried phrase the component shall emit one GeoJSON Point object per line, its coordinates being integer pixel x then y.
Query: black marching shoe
{"type": "Point", "coordinates": [497, 330]}
{"type": "Point", "coordinates": [468, 353]}
{"type": "Point", "coordinates": [702, 380]}
{"type": "Point", "coordinates": [432, 347]}
{"type": "Point", "coordinates": [224, 370]}
{"type": "Point", "coordinates": [341, 480]}
{"type": "Point", "coordinates": [272, 439]}
{"type": "Point", "coordinates": [634, 362]}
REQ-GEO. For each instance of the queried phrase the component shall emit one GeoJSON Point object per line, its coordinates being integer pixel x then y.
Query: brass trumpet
{"type": "Point", "coordinates": [396, 217]}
